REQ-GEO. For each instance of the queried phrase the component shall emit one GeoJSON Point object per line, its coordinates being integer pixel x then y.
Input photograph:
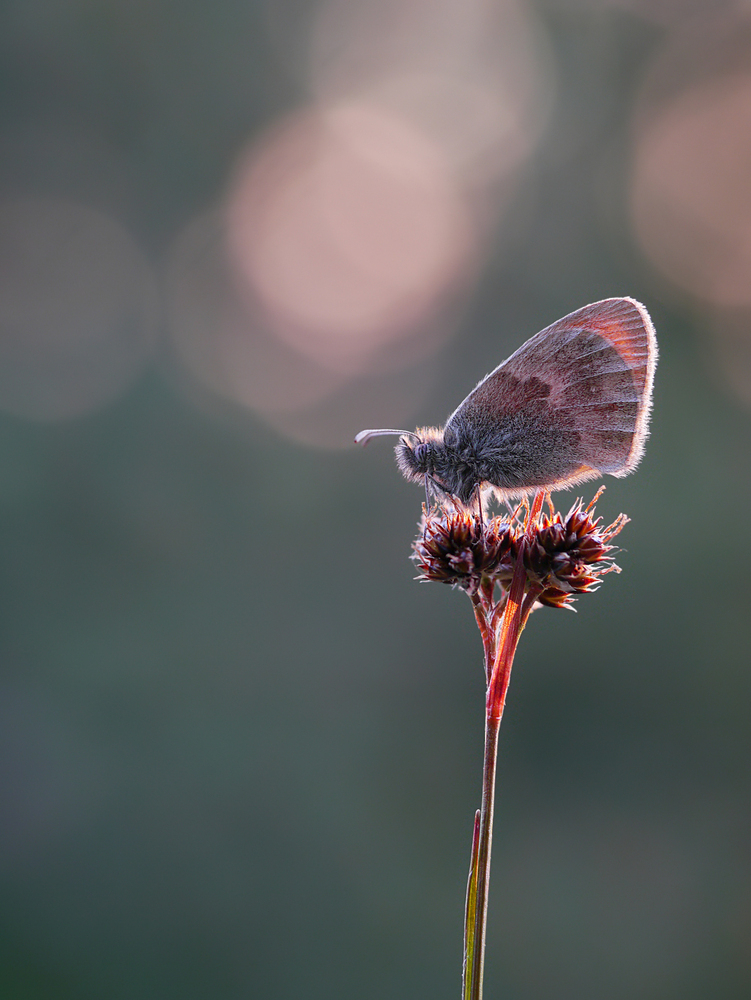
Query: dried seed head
{"type": "Point", "coordinates": [455, 547]}
{"type": "Point", "coordinates": [567, 555]}
{"type": "Point", "coordinates": [564, 555]}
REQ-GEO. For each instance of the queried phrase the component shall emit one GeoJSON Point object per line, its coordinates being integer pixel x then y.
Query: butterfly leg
{"type": "Point", "coordinates": [479, 502]}
{"type": "Point", "coordinates": [439, 491]}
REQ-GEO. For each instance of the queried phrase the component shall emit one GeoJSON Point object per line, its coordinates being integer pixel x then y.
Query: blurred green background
{"type": "Point", "coordinates": [240, 748]}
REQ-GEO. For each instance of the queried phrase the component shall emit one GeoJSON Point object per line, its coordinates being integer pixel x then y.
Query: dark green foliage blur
{"type": "Point", "coordinates": [240, 749]}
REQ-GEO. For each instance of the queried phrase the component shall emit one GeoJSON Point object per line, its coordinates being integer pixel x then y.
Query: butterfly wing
{"type": "Point", "coordinates": [572, 403]}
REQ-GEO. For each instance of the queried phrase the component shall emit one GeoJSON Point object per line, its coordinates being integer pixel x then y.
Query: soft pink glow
{"type": "Point", "coordinates": [691, 192]}
{"type": "Point", "coordinates": [691, 181]}
{"type": "Point", "coordinates": [473, 76]}
{"type": "Point", "coordinates": [349, 230]}
{"type": "Point", "coordinates": [357, 226]}
{"type": "Point", "coordinates": [221, 342]}
{"type": "Point", "coordinates": [223, 345]}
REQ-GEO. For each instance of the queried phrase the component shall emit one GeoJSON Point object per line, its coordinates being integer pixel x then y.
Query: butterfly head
{"type": "Point", "coordinates": [416, 453]}
{"type": "Point", "coordinates": [428, 453]}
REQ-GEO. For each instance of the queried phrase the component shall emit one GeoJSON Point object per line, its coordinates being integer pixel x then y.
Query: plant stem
{"type": "Point", "coordinates": [515, 615]}
{"type": "Point", "coordinates": [509, 635]}
{"type": "Point", "coordinates": [486, 632]}
{"type": "Point", "coordinates": [476, 962]}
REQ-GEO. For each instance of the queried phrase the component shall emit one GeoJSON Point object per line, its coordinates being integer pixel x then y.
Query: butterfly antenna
{"type": "Point", "coordinates": [364, 436]}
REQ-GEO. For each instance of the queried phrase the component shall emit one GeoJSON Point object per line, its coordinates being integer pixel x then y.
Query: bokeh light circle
{"type": "Point", "coordinates": [691, 194]}
{"type": "Point", "coordinates": [348, 229]}
{"type": "Point", "coordinates": [475, 77]}
{"type": "Point", "coordinates": [223, 345]}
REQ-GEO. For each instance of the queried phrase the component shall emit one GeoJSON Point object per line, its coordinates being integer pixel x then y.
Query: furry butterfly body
{"type": "Point", "coordinates": [570, 404]}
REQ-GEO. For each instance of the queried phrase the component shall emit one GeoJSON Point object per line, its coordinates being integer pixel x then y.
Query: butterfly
{"type": "Point", "coordinates": [570, 404]}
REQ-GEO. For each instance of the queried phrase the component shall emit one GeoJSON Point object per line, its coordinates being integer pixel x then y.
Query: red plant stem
{"type": "Point", "coordinates": [482, 878]}
{"type": "Point", "coordinates": [508, 638]}
{"type": "Point", "coordinates": [486, 633]}
{"type": "Point", "coordinates": [510, 629]}
{"type": "Point", "coordinates": [519, 603]}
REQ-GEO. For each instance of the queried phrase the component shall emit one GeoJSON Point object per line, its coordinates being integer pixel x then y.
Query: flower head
{"type": "Point", "coordinates": [456, 547]}
{"type": "Point", "coordinates": [567, 555]}
{"type": "Point", "coordinates": [563, 555]}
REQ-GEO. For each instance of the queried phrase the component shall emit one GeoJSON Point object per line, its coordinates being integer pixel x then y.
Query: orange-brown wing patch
{"type": "Point", "coordinates": [626, 325]}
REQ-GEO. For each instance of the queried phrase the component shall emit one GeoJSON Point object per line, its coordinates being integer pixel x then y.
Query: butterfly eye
{"type": "Point", "coordinates": [422, 454]}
